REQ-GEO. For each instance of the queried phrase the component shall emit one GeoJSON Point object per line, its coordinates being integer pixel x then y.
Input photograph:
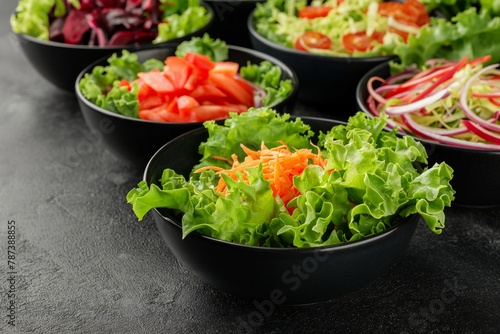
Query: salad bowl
{"type": "Point", "coordinates": [273, 276]}
{"type": "Point", "coordinates": [136, 139]}
{"type": "Point", "coordinates": [60, 63]}
{"type": "Point", "coordinates": [329, 63]}
{"type": "Point", "coordinates": [472, 167]}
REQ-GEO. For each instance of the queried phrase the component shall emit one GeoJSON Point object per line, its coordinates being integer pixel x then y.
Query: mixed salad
{"type": "Point", "coordinates": [340, 27]}
{"type": "Point", "coordinates": [109, 22]}
{"type": "Point", "coordinates": [195, 85]}
{"type": "Point", "coordinates": [261, 181]}
{"type": "Point", "coordinates": [452, 102]}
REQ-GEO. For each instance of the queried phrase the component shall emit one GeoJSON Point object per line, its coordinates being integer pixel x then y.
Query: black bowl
{"type": "Point", "coordinates": [472, 168]}
{"type": "Point", "coordinates": [230, 20]}
{"type": "Point", "coordinates": [136, 140]}
{"type": "Point", "coordinates": [60, 63]}
{"type": "Point", "coordinates": [326, 81]}
{"type": "Point", "coordinates": [273, 275]}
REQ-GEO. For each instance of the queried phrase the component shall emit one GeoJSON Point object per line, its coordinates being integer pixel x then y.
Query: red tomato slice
{"type": "Point", "coordinates": [410, 11]}
{"type": "Point", "coordinates": [311, 12]}
{"type": "Point", "coordinates": [145, 91]}
{"type": "Point", "coordinates": [226, 67]}
{"type": "Point", "coordinates": [313, 40]}
{"type": "Point", "coordinates": [360, 41]}
{"type": "Point", "coordinates": [206, 92]}
{"type": "Point", "coordinates": [150, 102]}
{"type": "Point", "coordinates": [229, 86]}
{"type": "Point", "coordinates": [185, 104]}
{"type": "Point", "coordinates": [203, 63]}
{"type": "Point", "coordinates": [245, 85]}
{"type": "Point", "coordinates": [193, 80]}
{"type": "Point", "coordinates": [157, 81]}
{"type": "Point", "coordinates": [179, 70]}
{"type": "Point", "coordinates": [209, 112]}
{"type": "Point", "coordinates": [152, 113]}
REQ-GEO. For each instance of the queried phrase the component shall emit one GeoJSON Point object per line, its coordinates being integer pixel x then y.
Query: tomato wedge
{"type": "Point", "coordinates": [313, 40]}
{"type": "Point", "coordinates": [311, 12]}
{"type": "Point", "coordinates": [157, 81]}
{"type": "Point", "coordinates": [360, 41]}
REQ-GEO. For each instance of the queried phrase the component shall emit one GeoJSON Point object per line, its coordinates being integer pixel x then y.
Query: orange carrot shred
{"type": "Point", "coordinates": [279, 166]}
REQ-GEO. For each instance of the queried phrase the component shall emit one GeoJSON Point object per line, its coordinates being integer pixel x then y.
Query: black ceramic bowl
{"type": "Point", "coordinates": [136, 140]}
{"type": "Point", "coordinates": [230, 20]}
{"type": "Point", "coordinates": [273, 275]}
{"type": "Point", "coordinates": [473, 181]}
{"type": "Point", "coordinates": [60, 63]}
{"type": "Point", "coordinates": [326, 81]}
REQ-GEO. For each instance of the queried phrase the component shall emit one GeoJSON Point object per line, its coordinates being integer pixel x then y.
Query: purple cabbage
{"type": "Point", "coordinates": [108, 22]}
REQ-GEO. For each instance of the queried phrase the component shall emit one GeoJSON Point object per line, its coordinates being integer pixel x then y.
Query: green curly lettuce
{"type": "Point", "coordinates": [370, 184]}
{"type": "Point", "coordinates": [469, 33]}
{"type": "Point", "coordinates": [216, 49]}
{"type": "Point", "coordinates": [102, 88]}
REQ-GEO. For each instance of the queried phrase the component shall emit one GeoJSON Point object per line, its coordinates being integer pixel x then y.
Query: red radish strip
{"type": "Point", "coordinates": [486, 95]}
{"type": "Point", "coordinates": [415, 106]}
{"type": "Point", "coordinates": [372, 91]}
{"type": "Point", "coordinates": [423, 132]}
{"type": "Point", "coordinates": [465, 107]}
{"type": "Point", "coordinates": [445, 77]}
{"type": "Point", "coordinates": [495, 102]}
{"type": "Point", "coordinates": [421, 78]}
{"type": "Point", "coordinates": [481, 132]}
{"type": "Point", "coordinates": [401, 76]}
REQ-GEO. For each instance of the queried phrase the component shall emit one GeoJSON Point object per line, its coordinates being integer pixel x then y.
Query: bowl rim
{"type": "Point", "coordinates": [253, 32]}
{"type": "Point", "coordinates": [361, 87]}
{"type": "Point", "coordinates": [173, 42]}
{"type": "Point", "coordinates": [88, 69]}
{"type": "Point", "coordinates": [414, 218]}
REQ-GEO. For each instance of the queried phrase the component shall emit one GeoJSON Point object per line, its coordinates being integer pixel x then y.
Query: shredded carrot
{"type": "Point", "coordinates": [279, 165]}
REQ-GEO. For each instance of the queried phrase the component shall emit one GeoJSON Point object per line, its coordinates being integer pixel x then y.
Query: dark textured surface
{"type": "Point", "coordinates": [85, 265]}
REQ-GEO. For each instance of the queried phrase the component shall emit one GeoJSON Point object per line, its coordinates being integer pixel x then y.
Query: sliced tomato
{"type": "Point", "coordinates": [150, 102]}
{"type": "Point", "coordinates": [311, 12]}
{"type": "Point", "coordinates": [360, 41]}
{"type": "Point", "coordinates": [185, 105]}
{"type": "Point", "coordinates": [313, 40]}
{"type": "Point", "coordinates": [226, 67]}
{"type": "Point", "coordinates": [207, 92]}
{"type": "Point", "coordinates": [125, 83]}
{"type": "Point", "coordinates": [179, 71]}
{"type": "Point", "coordinates": [157, 81]}
{"type": "Point", "coordinates": [203, 63]}
{"type": "Point", "coordinates": [229, 86]}
{"type": "Point", "coordinates": [152, 114]}
{"type": "Point", "coordinates": [245, 85]}
{"type": "Point", "coordinates": [193, 81]}
{"type": "Point", "coordinates": [145, 91]}
{"type": "Point", "coordinates": [409, 11]}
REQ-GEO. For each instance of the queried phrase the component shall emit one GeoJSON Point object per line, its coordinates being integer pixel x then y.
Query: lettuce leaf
{"type": "Point", "coordinates": [101, 87]}
{"type": "Point", "coordinates": [268, 77]}
{"type": "Point", "coordinates": [374, 179]}
{"type": "Point", "coordinates": [469, 33]}
{"type": "Point", "coordinates": [253, 127]}
{"type": "Point", "coordinates": [216, 49]}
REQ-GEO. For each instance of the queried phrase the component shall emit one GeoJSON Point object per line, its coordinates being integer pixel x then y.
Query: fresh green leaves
{"type": "Point", "coordinates": [371, 183]}
{"type": "Point", "coordinates": [216, 49]}
{"type": "Point", "coordinates": [32, 17]}
{"type": "Point", "coordinates": [256, 126]}
{"type": "Point", "coordinates": [102, 88]}
{"type": "Point", "coordinates": [268, 77]}
{"type": "Point", "coordinates": [470, 33]}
